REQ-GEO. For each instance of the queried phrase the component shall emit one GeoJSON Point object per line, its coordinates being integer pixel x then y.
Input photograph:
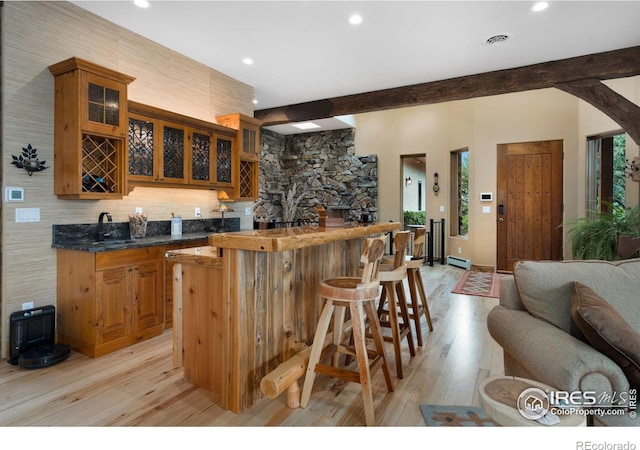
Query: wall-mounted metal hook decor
{"type": "Point", "coordinates": [28, 160]}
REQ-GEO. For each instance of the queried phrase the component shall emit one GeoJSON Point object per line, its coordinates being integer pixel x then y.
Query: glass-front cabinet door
{"type": "Point", "coordinates": [224, 160]}
{"type": "Point", "coordinates": [142, 145]}
{"type": "Point", "coordinates": [202, 161]}
{"type": "Point", "coordinates": [175, 161]}
{"type": "Point", "coordinates": [104, 108]}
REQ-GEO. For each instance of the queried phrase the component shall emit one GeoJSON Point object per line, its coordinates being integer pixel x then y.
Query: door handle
{"type": "Point", "coordinates": [500, 220]}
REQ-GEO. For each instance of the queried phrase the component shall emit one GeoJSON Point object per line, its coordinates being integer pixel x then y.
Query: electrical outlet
{"type": "Point", "coordinates": [138, 210]}
{"type": "Point", "coordinates": [27, 305]}
{"type": "Point", "coordinates": [247, 210]}
{"type": "Point", "coordinates": [459, 250]}
{"type": "Point", "coordinates": [197, 212]}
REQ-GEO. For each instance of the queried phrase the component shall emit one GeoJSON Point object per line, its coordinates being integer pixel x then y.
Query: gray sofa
{"type": "Point", "coordinates": [541, 340]}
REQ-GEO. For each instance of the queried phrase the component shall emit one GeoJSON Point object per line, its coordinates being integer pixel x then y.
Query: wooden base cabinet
{"type": "Point", "coordinates": [109, 300]}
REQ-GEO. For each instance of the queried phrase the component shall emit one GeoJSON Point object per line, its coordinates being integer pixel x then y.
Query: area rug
{"type": "Point", "coordinates": [455, 416]}
{"type": "Point", "coordinates": [482, 284]}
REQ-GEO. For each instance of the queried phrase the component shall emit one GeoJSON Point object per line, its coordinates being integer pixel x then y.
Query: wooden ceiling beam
{"type": "Point", "coordinates": [598, 66]}
{"type": "Point", "coordinates": [624, 112]}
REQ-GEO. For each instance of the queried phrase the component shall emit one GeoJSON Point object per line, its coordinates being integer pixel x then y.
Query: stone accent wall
{"type": "Point", "coordinates": [324, 170]}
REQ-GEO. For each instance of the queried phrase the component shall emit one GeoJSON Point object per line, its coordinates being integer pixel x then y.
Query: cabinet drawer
{"type": "Point", "coordinates": [128, 257]}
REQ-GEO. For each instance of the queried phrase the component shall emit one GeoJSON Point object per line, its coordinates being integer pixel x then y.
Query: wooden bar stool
{"type": "Point", "coordinates": [418, 307]}
{"type": "Point", "coordinates": [392, 278]}
{"type": "Point", "coordinates": [359, 295]}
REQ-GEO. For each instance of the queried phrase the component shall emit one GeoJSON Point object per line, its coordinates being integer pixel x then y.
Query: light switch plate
{"type": "Point", "coordinates": [247, 210]}
{"type": "Point", "coordinates": [442, 209]}
{"type": "Point", "coordinates": [27, 215]}
{"type": "Point", "coordinates": [486, 210]}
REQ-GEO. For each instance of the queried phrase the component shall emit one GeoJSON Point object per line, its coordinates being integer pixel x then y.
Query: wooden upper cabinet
{"type": "Point", "coordinates": [90, 124]}
{"type": "Point", "coordinates": [247, 151]}
{"type": "Point", "coordinates": [169, 149]}
{"type": "Point", "coordinates": [248, 137]}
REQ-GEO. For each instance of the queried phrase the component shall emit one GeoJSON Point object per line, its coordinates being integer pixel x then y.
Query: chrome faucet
{"type": "Point", "coordinates": [102, 235]}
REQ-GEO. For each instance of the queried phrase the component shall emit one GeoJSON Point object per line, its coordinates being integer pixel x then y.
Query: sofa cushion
{"type": "Point", "coordinates": [607, 331]}
{"type": "Point", "coordinates": [545, 288]}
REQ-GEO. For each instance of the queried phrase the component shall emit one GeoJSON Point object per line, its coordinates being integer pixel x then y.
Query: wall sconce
{"type": "Point", "coordinates": [28, 160]}
{"type": "Point", "coordinates": [632, 169]}
{"type": "Point", "coordinates": [407, 181]}
{"type": "Point", "coordinates": [436, 187]}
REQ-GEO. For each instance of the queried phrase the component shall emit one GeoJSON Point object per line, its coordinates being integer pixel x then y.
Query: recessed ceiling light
{"type": "Point", "coordinates": [305, 125]}
{"type": "Point", "coordinates": [141, 3]}
{"type": "Point", "coordinates": [540, 6]}
{"type": "Point", "coordinates": [247, 61]}
{"type": "Point", "coordinates": [355, 19]}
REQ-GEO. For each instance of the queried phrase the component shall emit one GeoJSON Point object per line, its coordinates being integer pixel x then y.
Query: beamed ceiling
{"type": "Point", "coordinates": [310, 63]}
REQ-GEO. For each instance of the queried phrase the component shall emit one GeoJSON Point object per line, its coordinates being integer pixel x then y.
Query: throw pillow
{"type": "Point", "coordinates": [607, 331]}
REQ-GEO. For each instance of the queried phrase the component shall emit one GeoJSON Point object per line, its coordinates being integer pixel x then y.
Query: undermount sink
{"type": "Point", "coordinates": [113, 242]}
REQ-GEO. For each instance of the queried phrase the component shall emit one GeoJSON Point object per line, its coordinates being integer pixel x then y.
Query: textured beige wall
{"type": "Point", "coordinates": [38, 34]}
{"type": "Point", "coordinates": [480, 125]}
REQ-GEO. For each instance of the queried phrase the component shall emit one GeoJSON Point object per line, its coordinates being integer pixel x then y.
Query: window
{"type": "Point", "coordinates": [606, 184]}
{"type": "Point", "coordinates": [460, 192]}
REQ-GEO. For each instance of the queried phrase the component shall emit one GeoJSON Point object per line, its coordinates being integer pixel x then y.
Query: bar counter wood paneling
{"type": "Point", "coordinates": [259, 299]}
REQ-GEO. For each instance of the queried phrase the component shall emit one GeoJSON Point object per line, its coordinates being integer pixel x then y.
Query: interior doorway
{"type": "Point", "coordinates": [413, 202]}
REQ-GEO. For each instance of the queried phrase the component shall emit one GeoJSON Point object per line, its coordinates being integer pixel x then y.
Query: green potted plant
{"type": "Point", "coordinates": [597, 238]}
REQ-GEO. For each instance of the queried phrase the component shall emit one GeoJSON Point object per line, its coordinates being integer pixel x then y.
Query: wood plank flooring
{"type": "Point", "coordinates": [137, 386]}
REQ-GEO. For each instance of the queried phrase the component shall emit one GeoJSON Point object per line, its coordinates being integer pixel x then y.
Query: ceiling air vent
{"type": "Point", "coordinates": [497, 39]}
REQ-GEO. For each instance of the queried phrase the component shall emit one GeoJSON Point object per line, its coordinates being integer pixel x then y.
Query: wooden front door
{"type": "Point", "coordinates": [529, 202]}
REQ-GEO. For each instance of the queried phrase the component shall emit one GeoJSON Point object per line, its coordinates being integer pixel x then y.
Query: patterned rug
{"type": "Point", "coordinates": [455, 416]}
{"type": "Point", "coordinates": [482, 284]}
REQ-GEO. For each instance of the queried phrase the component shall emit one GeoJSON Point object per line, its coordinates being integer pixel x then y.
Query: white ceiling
{"type": "Point", "coordinates": [307, 50]}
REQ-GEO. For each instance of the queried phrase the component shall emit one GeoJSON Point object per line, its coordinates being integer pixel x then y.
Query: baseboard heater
{"type": "Point", "coordinates": [459, 262]}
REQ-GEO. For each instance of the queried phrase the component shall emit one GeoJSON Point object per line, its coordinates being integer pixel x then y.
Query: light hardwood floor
{"type": "Point", "coordinates": [137, 386]}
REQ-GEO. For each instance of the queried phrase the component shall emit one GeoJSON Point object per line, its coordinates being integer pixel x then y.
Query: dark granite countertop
{"type": "Point", "coordinates": [122, 244]}
{"type": "Point", "coordinates": [83, 237]}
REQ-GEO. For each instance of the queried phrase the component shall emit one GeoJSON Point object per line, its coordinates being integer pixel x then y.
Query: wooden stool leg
{"type": "Point", "coordinates": [362, 358]}
{"type": "Point", "coordinates": [383, 299]}
{"type": "Point", "coordinates": [415, 306]}
{"type": "Point", "coordinates": [338, 322]}
{"type": "Point", "coordinates": [316, 351]}
{"type": "Point", "coordinates": [395, 328]}
{"type": "Point", "coordinates": [423, 297]}
{"type": "Point", "coordinates": [404, 313]}
{"type": "Point", "coordinates": [378, 339]}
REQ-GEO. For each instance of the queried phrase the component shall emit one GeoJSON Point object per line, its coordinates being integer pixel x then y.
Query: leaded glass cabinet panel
{"type": "Point", "coordinates": [224, 160]}
{"type": "Point", "coordinates": [174, 161]}
{"type": "Point", "coordinates": [142, 148]}
{"type": "Point", "coordinates": [201, 158]}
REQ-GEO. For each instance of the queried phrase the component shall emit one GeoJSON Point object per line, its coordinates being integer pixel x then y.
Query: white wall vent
{"type": "Point", "coordinates": [459, 262]}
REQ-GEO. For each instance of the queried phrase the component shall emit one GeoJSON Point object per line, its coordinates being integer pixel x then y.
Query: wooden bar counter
{"type": "Point", "coordinates": [242, 304]}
